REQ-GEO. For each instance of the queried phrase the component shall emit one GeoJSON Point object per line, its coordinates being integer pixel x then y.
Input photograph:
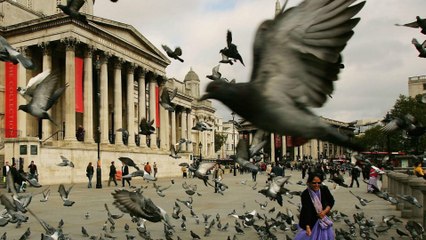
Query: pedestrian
{"type": "Point", "coordinates": [89, 174]}
{"type": "Point", "coordinates": [112, 172]}
{"type": "Point", "coordinates": [5, 169]}
{"type": "Point", "coordinates": [418, 170]}
{"type": "Point", "coordinates": [277, 170]}
{"type": "Point", "coordinates": [304, 169]}
{"type": "Point", "coordinates": [372, 181]}
{"type": "Point", "coordinates": [217, 176]}
{"type": "Point", "coordinates": [154, 166]}
{"type": "Point", "coordinates": [80, 133]}
{"type": "Point", "coordinates": [317, 202]}
{"type": "Point", "coordinates": [15, 177]}
{"type": "Point", "coordinates": [355, 172]}
{"type": "Point", "coordinates": [33, 170]}
{"type": "Point", "coordinates": [147, 168]}
{"type": "Point", "coordinates": [184, 172]}
{"type": "Point", "coordinates": [125, 171]}
{"type": "Point", "coordinates": [253, 175]}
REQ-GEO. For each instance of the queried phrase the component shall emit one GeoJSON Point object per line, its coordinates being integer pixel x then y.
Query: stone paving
{"type": "Point", "coordinates": [92, 201]}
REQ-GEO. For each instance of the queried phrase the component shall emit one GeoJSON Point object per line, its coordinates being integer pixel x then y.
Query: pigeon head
{"type": "Point", "coordinates": [215, 90]}
{"type": "Point", "coordinates": [24, 108]}
{"type": "Point", "coordinates": [64, 8]}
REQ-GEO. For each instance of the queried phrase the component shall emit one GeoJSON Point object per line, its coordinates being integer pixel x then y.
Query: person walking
{"type": "Point", "coordinates": [125, 171]}
{"type": "Point", "coordinates": [184, 172]}
{"type": "Point", "coordinates": [33, 170]}
{"type": "Point", "coordinates": [217, 176]}
{"type": "Point", "coordinates": [147, 168]}
{"type": "Point", "coordinates": [372, 181]}
{"type": "Point", "coordinates": [317, 202]}
{"type": "Point", "coordinates": [418, 170]}
{"type": "Point", "coordinates": [154, 166]}
{"type": "Point", "coordinates": [112, 172]}
{"type": "Point", "coordinates": [5, 169]}
{"type": "Point", "coordinates": [355, 173]}
{"type": "Point", "coordinates": [89, 174]}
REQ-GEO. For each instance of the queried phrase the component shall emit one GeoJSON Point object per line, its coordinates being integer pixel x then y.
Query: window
{"type": "Point", "coordinates": [424, 86]}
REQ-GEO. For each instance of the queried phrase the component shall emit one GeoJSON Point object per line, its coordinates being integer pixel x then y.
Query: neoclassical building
{"type": "Point", "coordinates": [115, 76]}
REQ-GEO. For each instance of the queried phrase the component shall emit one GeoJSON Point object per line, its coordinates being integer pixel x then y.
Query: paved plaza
{"type": "Point", "coordinates": [92, 201]}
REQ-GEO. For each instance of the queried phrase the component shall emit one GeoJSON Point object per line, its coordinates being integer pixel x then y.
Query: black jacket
{"type": "Point", "coordinates": [308, 214]}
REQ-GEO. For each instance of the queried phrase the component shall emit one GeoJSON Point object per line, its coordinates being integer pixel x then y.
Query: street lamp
{"type": "Point", "coordinates": [98, 129]}
{"type": "Point", "coordinates": [233, 142]}
{"type": "Point", "coordinates": [200, 147]}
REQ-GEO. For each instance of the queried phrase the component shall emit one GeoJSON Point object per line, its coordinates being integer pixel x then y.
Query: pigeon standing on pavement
{"type": "Point", "coordinates": [44, 97]}
{"type": "Point", "coordinates": [173, 54]}
{"type": "Point", "coordinates": [72, 9]}
{"type": "Point", "coordinates": [9, 54]}
{"type": "Point", "coordinates": [295, 63]}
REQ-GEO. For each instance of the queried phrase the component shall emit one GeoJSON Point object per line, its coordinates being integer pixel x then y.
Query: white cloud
{"type": "Point", "coordinates": [378, 59]}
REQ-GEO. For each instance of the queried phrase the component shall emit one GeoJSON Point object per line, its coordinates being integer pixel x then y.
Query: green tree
{"type": "Point", "coordinates": [219, 140]}
{"type": "Point", "coordinates": [375, 138]}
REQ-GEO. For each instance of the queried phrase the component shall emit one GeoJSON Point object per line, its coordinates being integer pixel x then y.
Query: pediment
{"type": "Point", "coordinates": [128, 34]}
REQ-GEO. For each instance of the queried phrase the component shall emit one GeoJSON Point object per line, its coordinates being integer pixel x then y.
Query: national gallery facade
{"type": "Point", "coordinates": [115, 77]}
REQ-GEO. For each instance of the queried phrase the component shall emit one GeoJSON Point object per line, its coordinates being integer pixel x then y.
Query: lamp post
{"type": "Point", "coordinates": [98, 129]}
{"type": "Point", "coordinates": [200, 147]}
{"type": "Point", "coordinates": [233, 142]}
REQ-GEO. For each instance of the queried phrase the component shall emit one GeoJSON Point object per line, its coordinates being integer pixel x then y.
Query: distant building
{"type": "Point", "coordinates": [416, 85]}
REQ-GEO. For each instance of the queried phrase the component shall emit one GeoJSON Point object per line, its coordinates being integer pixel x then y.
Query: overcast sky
{"type": "Point", "coordinates": [378, 59]}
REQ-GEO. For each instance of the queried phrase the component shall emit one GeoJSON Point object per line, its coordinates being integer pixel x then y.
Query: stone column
{"type": "Point", "coordinates": [173, 127]}
{"type": "Point", "coordinates": [164, 127]}
{"type": "Point", "coordinates": [70, 129]}
{"type": "Point", "coordinates": [131, 104]}
{"type": "Point", "coordinates": [189, 130]}
{"type": "Point", "coordinates": [183, 130]}
{"type": "Point", "coordinates": [22, 82]}
{"type": "Point", "coordinates": [284, 145]}
{"type": "Point", "coordinates": [118, 109]}
{"type": "Point", "coordinates": [47, 64]}
{"type": "Point", "coordinates": [152, 106]}
{"type": "Point", "coordinates": [104, 99]}
{"type": "Point", "coordinates": [272, 147]}
{"type": "Point", "coordinates": [88, 95]}
{"type": "Point", "coordinates": [142, 104]}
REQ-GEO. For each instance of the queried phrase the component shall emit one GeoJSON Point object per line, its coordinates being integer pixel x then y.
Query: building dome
{"type": "Point", "coordinates": [191, 76]}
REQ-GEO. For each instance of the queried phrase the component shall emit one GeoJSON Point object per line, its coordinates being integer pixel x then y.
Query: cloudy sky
{"type": "Point", "coordinates": [378, 60]}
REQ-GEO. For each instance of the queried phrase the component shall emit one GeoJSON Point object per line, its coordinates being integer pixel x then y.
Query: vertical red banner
{"type": "Point", "coordinates": [79, 105]}
{"type": "Point", "coordinates": [157, 107]}
{"type": "Point", "coordinates": [278, 141]}
{"type": "Point", "coordinates": [11, 100]}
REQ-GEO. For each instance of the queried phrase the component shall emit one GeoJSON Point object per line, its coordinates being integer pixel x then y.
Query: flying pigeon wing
{"type": "Point", "coordinates": [411, 24]}
{"type": "Point", "coordinates": [75, 4]}
{"type": "Point", "coordinates": [128, 161]}
{"type": "Point", "coordinates": [310, 38]}
{"type": "Point", "coordinates": [44, 91]}
{"type": "Point", "coordinates": [166, 48]}
{"type": "Point", "coordinates": [35, 81]}
{"type": "Point", "coordinates": [228, 38]}
{"type": "Point", "coordinates": [205, 166]}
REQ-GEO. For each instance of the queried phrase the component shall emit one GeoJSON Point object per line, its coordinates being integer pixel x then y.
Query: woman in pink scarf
{"type": "Point", "coordinates": [317, 202]}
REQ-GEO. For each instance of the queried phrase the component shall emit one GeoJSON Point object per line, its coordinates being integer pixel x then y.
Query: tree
{"type": "Point", "coordinates": [219, 140]}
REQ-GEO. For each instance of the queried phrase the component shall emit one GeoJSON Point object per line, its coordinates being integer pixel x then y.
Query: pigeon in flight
{"type": "Point", "coordinates": [243, 157]}
{"type": "Point", "coordinates": [129, 162]}
{"type": "Point", "coordinates": [201, 126]}
{"type": "Point", "coordinates": [9, 54]}
{"type": "Point", "coordinates": [173, 54]}
{"type": "Point", "coordinates": [65, 195]}
{"type": "Point", "coordinates": [309, 38]}
{"type": "Point", "coordinates": [420, 47]}
{"type": "Point", "coordinates": [65, 162]}
{"type": "Point", "coordinates": [28, 91]}
{"type": "Point", "coordinates": [273, 191]}
{"type": "Point", "coordinates": [216, 75]}
{"type": "Point", "coordinates": [145, 127]}
{"type": "Point", "coordinates": [166, 99]}
{"type": "Point", "coordinates": [44, 97]}
{"type": "Point", "coordinates": [231, 50]}
{"type": "Point", "coordinates": [138, 205]}
{"type": "Point", "coordinates": [419, 23]}
{"type": "Point", "coordinates": [72, 9]}
{"type": "Point", "coordinates": [173, 152]}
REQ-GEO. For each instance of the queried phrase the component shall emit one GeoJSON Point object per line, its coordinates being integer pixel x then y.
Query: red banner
{"type": "Point", "coordinates": [79, 105]}
{"type": "Point", "coordinates": [11, 101]}
{"type": "Point", "coordinates": [278, 141]}
{"type": "Point", "coordinates": [295, 141]}
{"type": "Point", "coordinates": [157, 106]}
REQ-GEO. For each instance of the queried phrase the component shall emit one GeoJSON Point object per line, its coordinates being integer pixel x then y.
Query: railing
{"type": "Point", "coordinates": [54, 134]}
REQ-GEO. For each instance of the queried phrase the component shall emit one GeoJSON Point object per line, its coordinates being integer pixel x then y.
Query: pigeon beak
{"type": "Point", "coordinates": [204, 97]}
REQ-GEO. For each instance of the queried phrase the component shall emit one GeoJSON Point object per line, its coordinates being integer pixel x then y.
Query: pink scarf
{"type": "Point", "coordinates": [325, 222]}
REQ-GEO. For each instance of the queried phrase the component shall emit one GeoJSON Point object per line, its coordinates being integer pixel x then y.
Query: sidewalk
{"type": "Point", "coordinates": [92, 201]}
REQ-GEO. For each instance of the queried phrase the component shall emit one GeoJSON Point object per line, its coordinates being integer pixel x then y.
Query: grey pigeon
{"type": "Point", "coordinates": [216, 75]}
{"type": "Point", "coordinates": [110, 215]}
{"type": "Point", "coordinates": [201, 170]}
{"type": "Point", "coordinates": [28, 91]}
{"type": "Point", "coordinates": [295, 63]}
{"type": "Point", "coordinates": [410, 199]}
{"type": "Point", "coordinates": [420, 47]}
{"type": "Point", "coordinates": [45, 193]}
{"type": "Point", "coordinates": [173, 54]}
{"type": "Point", "coordinates": [84, 232]}
{"type": "Point", "coordinates": [273, 191]}
{"type": "Point", "coordinates": [65, 162]}
{"type": "Point", "coordinates": [166, 99]}
{"type": "Point", "coordinates": [145, 127]}
{"type": "Point", "coordinates": [258, 142]}
{"type": "Point", "coordinates": [9, 54]}
{"type": "Point", "coordinates": [64, 194]}
{"type": "Point", "coordinates": [138, 205]}
{"type": "Point", "coordinates": [231, 50]}
{"type": "Point", "coordinates": [44, 97]}
{"type": "Point", "coordinates": [201, 125]}
{"type": "Point", "coordinates": [72, 9]}
{"type": "Point", "coordinates": [419, 23]}
{"type": "Point", "coordinates": [361, 200]}
{"type": "Point", "coordinates": [173, 152]}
